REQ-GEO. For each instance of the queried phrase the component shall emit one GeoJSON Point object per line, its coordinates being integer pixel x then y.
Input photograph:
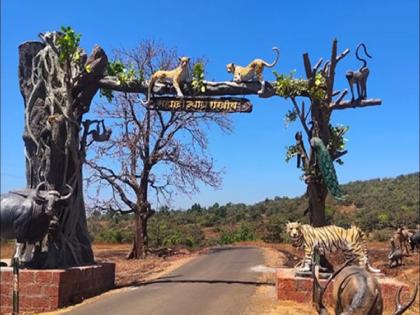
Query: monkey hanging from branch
{"type": "Point", "coordinates": [360, 76]}
{"type": "Point", "coordinates": [254, 70]}
{"type": "Point", "coordinates": [97, 134]}
{"type": "Point", "coordinates": [177, 76]}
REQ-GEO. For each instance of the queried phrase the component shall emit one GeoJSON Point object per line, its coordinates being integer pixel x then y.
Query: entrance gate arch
{"type": "Point", "coordinates": [40, 68]}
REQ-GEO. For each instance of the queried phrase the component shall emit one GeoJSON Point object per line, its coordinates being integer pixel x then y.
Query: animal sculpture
{"type": "Point", "coordinates": [176, 76]}
{"type": "Point", "coordinates": [326, 166]}
{"type": "Point", "coordinates": [351, 241]}
{"type": "Point", "coordinates": [402, 235]}
{"type": "Point", "coordinates": [414, 241]}
{"type": "Point", "coordinates": [26, 215]}
{"type": "Point", "coordinates": [395, 255]}
{"type": "Point", "coordinates": [355, 292]}
{"type": "Point", "coordinates": [359, 77]}
{"type": "Point", "coordinates": [253, 71]}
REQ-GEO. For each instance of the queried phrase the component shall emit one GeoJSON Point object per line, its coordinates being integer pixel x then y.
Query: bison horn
{"type": "Point", "coordinates": [65, 197]}
{"type": "Point", "coordinates": [38, 187]}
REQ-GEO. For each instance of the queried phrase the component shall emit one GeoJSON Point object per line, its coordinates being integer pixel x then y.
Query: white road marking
{"type": "Point", "coordinates": [262, 268]}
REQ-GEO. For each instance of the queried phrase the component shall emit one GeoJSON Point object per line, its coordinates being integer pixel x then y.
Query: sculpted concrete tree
{"type": "Point", "coordinates": [325, 141]}
{"type": "Point", "coordinates": [57, 82]}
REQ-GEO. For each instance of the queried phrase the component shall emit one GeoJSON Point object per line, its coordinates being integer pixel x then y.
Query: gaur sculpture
{"type": "Point", "coordinates": [355, 291]}
{"type": "Point", "coordinates": [25, 215]}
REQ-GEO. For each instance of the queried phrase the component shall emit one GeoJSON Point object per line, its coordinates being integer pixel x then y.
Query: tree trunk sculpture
{"type": "Point", "coordinates": [56, 95]}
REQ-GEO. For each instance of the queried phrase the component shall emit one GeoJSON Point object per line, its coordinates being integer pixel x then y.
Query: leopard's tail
{"type": "Point", "coordinates": [149, 92]}
{"type": "Point", "coordinates": [270, 65]}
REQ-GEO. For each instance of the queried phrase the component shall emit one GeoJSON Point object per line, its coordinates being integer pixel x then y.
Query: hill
{"type": "Point", "coordinates": [376, 205]}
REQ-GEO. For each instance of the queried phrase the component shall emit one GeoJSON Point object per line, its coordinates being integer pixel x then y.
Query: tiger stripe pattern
{"type": "Point", "coordinates": [329, 238]}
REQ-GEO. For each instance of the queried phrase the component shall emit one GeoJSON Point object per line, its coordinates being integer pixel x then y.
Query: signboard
{"type": "Point", "coordinates": [205, 104]}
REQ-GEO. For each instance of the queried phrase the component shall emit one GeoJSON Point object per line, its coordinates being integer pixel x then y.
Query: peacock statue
{"type": "Point", "coordinates": [327, 169]}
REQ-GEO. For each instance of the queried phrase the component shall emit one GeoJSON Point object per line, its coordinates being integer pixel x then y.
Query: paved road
{"type": "Point", "coordinates": [219, 283]}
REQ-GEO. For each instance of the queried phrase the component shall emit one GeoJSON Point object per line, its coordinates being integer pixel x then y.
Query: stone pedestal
{"type": "Point", "coordinates": [46, 290]}
{"type": "Point", "coordinates": [298, 289]}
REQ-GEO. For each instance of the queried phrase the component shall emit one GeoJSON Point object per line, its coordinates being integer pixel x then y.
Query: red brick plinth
{"type": "Point", "coordinates": [47, 290]}
{"type": "Point", "coordinates": [299, 289]}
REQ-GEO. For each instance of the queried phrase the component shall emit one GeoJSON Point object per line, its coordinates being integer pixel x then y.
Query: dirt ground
{"type": "Point", "coordinates": [134, 272]}
{"type": "Point", "coordinates": [264, 302]}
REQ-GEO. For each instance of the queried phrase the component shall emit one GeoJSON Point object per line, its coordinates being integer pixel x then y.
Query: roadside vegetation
{"type": "Point", "coordinates": [378, 206]}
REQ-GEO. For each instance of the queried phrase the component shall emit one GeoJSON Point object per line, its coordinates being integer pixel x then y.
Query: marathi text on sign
{"type": "Point", "coordinates": [225, 105]}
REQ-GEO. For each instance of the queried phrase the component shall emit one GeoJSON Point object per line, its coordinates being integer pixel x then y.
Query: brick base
{"type": "Point", "coordinates": [299, 289]}
{"type": "Point", "coordinates": [47, 290]}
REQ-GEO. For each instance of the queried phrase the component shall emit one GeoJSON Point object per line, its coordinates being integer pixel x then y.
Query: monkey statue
{"type": "Point", "coordinates": [101, 137]}
{"type": "Point", "coordinates": [177, 76]}
{"type": "Point", "coordinates": [252, 71]}
{"type": "Point", "coordinates": [360, 76]}
{"type": "Point", "coordinates": [97, 135]}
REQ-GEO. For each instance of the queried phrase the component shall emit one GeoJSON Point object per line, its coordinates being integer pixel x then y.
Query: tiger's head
{"type": "Point", "coordinates": [294, 230]}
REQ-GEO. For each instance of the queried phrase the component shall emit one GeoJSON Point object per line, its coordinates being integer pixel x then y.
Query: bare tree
{"type": "Point", "coordinates": [151, 152]}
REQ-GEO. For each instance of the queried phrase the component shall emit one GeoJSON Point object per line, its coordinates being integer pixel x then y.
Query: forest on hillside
{"type": "Point", "coordinates": [378, 206]}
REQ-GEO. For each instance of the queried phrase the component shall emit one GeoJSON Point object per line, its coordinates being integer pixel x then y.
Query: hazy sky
{"type": "Point", "coordinates": [382, 141]}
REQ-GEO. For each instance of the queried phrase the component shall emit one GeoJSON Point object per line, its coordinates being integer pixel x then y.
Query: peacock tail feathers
{"type": "Point", "coordinates": [327, 169]}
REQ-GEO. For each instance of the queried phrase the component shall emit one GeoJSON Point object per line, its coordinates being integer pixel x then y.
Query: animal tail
{"type": "Point", "coordinates": [270, 65]}
{"type": "Point", "coordinates": [365, 252]}
{"type": "Point", "coordinates": [366, 53]}
{"type": "Point", "coordinates": [149, 93]}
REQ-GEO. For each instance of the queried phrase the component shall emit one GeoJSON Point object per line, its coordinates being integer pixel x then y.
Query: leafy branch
{"type": "Point", "coordinates": [198, 78]}
{"type": "Point", "coordinates": [288, 87]}
{"type": "Point", "coordinates": [123, 74]}
{"type": "Point", "coordinates": [68, 45]}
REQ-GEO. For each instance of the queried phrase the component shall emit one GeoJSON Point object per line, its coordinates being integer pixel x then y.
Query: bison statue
{"type": "Point", "coordinates": [25, 215]}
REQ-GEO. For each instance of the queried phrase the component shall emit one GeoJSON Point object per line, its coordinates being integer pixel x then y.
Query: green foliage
{"type": "Point", "coordinates": [338, 142]}
{"type": "Point", "coordinates": [378, 206]}
{"type": "Point", "coordinates": [241, 234]}
{"type": "Point", "coordinates": [291, 151]}
{"type": "Point", "coordinates": [318, 90]}
{"type": "Point", "coordinates": [68, 45]}
{"type": "Point", "coordinates": [287, 86]}
{"type": "Point", "coordinates": [274, 230]}
{"type": "Point", "coordinates": [123, 74]}
{"type": "Point", "coordinates": [198, 78]}
{"type": "Point", "coordinates": [290, 116]}
{"type": "Point", "coordinates": [114, 235]}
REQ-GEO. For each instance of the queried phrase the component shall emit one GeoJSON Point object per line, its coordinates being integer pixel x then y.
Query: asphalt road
{"type": "Point", "coordinates": [218, 283]}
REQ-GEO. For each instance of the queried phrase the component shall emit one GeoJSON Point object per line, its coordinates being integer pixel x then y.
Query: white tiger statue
{"type": "Point", "coordinates": [329, 238]}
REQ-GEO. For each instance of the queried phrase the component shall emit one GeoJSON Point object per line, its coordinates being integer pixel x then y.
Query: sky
{"type": "Point", "coordinates": [383, 141]}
